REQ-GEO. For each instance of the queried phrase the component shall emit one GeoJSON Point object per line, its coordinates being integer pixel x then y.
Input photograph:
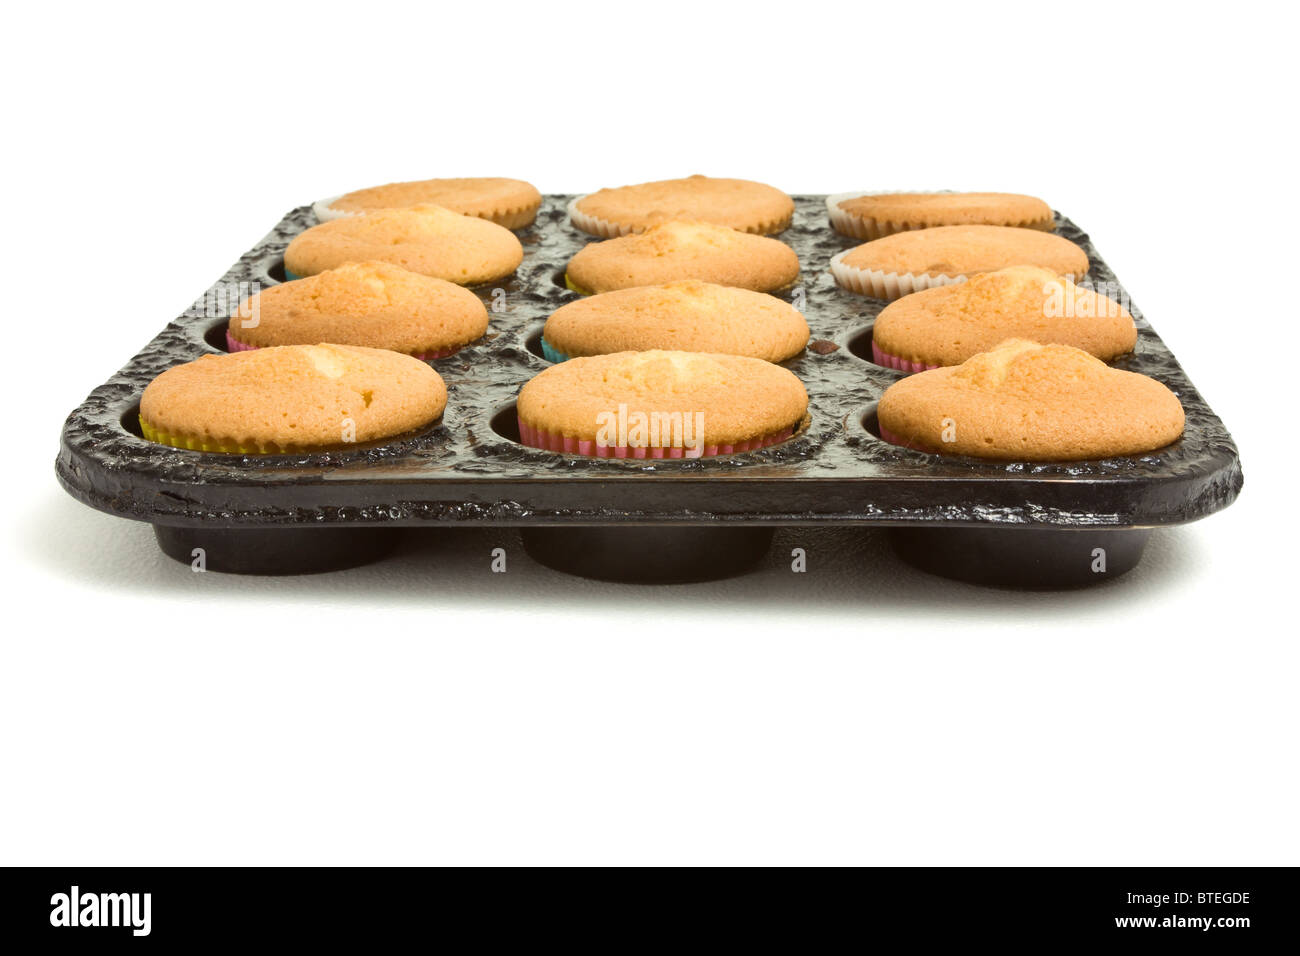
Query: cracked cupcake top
{"type": "Point", "coordinates": [293, 397]}
{"type": "Point", "coordinates": [949, 324]}
{"type": "Point", "coordinates": [1022, 401]}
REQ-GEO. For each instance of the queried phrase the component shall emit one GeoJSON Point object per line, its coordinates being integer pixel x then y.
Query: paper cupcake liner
{"type": "Point", "coordinates": [894, 362]}
{"type": "Point", "coordinates": [554, 441]}
{"type": "Point", "coordinates": [195, 443]}
{"type": "Point", "coordinates": [291, 276]}
{"type": "Point", "coordinates": [574, 287]}
{"type": "Point", "coordinates": [612, 230]}
{"type": "Point", "coordinates": [234, 345]}
{"type": "Point", "coordinates": [516, 217]}
{"type": "Point", "coordinates": [885, 285]}
{"type": "Point", "coordinates": [893, 439]}
{"type": "Point", "coordinates": [326, 214]}
{"type": "Point", "coordinates": [553, 354]}
{"type": "Point", "coordinates": [894, 285]}
{"type": "Point", "coordinates": [887, 435]}
{"type": "Point", "coordinates": [860, 227]}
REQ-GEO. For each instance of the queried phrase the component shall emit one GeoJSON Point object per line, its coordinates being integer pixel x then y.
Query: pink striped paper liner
{"type": "Point", "coordinates": [893, 439]}
{"type": "Point", "coordinates": [554, 441]}
{"type": "Point", "coordinates": [893, 361]}
{"type": "Point", "coordinates": [234, 345]}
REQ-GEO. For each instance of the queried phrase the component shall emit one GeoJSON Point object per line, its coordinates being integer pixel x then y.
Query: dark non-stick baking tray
{"type": "Point", "coordinates": [1012, 523]}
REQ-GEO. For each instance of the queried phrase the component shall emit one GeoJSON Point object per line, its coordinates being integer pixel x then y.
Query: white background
{"type": "Point", "coordinates": [425, 710]}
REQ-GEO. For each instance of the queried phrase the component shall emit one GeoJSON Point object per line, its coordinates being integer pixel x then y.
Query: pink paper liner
{"type": "Point", "coordinates": [893, 361]}
{"type": "Point", "coordinates": [234, 345]}
{"type": "Point", "coordinates": [887, 435]}
{"type": "Point", "coordinates": [554, 441]}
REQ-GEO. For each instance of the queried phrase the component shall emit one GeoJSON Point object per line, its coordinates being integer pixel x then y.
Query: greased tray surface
{"type": "Point", "coordinates": [469, 470]}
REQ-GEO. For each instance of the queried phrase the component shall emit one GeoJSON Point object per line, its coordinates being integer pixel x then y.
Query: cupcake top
{"type": "Point", "coordinates": [949, 324]}
{"type": "Point", "coordinates": [500, 200]}
{"type": "Point", "coordinates": [291, 398]}
{"type": "Point", "coordinates": [374, 304]}
{"type": "Point", "coordinates": [430, 240]}
{"type": "Point", "coordinates": [735, 203]}
{"type": "Point", "coordinates": [1027, 402]}
{"type": "Point", "coordinates": [896, 212]}
{"type": "Point", "coordinates": [684, 250]}
{"type": "Point", "coordinates": [738, 398]}
{"type": "Point", "coordinates": [966, 250]}
{"type": "Point", "coordinates": [689, 315]}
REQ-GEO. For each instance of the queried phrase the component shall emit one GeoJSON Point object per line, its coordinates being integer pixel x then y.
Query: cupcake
{"type": "Point", "coordinates": [660, 404]}
{"type": "Point", "coordinates": [734, 203]}
{"type": "Point", "coordinates": [948, 324]}
{"type": "Point", "coordinates": [911, 261]}
{"type": "Point", "coordinates": [291, 399]}
{"type": "Point", "coordinates": [872, 215]}
{"type": "Point", "coordinates": [1027, 402]}
{"type": "Point", "coordinates": [372, 304]}
{"type": "Point", "coordinates": [512, 203]}
{"type": "Point", "coordinates": [683, 250]}
{"type": "Point", "coordinates": [689, 316]}
{"type": "Point", "coordinates": [430, 240]}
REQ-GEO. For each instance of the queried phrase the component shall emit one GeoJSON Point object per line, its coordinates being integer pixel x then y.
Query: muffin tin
{"type": "Point", "coordinates": [1018, 524]}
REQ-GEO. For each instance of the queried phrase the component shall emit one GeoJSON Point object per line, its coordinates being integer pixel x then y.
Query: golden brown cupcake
{"type": "Point", "coordinates": [660, 404]}
{"type": "Point", "coordinates": [948, 324]}
{"type": "Point", "coordinates": [734, 203]}
{"type": "Point", "coordinates": [372, 304]}
{"type": "Point", "coordinates": [1027, 402]}
{"type": "Point", "coordinates": [873, 215]}
{"type": "Point", "coordinates": [291, 399]}
{"type": "Point", "coordinates": [689, 316]}
{"type": "Point", "coordinates": [430, 240]}
{"type": "Point", "coordinates": [684, 250]}
{"type": "Point", "coordinates": [908, 262]}
{"type": "Point", "coordinates": [511, 203]}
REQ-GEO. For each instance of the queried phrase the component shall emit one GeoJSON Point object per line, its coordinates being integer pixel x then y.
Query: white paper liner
{"type": "Point", "coordinates": [595, 225]}
{"type": "Point", "coordinates": [609, 230]}
{"type": "Point", "coordinates": [885, 285]}
{"type": "Point", "coordinates": [868, 229]}
{"type": "Point", "coordinates": [893, 285]}
{"type": "Point", "coordinates": [324, 213]}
